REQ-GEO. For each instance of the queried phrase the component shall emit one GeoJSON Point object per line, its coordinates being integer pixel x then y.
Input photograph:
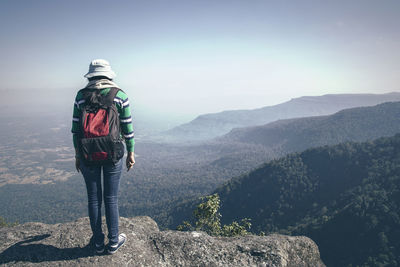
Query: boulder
{"type": "Point", "coordinates": [66, 244]}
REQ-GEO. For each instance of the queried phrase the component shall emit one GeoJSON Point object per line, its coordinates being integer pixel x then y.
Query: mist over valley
{"type": "Point", "coordinates": [37, 150]}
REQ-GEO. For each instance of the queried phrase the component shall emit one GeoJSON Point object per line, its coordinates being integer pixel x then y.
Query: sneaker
{"type": "Point", "coordinates": [113, 248]}
{"type": "Point", "coordinates": [99, 248]}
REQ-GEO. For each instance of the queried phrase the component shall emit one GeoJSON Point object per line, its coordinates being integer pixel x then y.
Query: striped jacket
{"type": "Point", "coordinates": [122, 103]}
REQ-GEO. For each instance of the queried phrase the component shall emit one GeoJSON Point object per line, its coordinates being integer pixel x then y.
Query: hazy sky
{"type": "Point", "coordinates": [190, 57]}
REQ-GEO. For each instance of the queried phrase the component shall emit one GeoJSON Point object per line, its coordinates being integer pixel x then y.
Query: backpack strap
{"type": "Point", "coordinates": [109, 98]}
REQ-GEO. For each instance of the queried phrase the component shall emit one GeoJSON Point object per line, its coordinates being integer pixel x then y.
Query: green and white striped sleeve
{"type": "Point", "coordinates": [75, 118]}
{"type": "Point", "coordinates": [125, 117]}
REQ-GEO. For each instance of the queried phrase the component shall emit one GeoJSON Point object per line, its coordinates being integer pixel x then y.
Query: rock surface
{"type": "Point", "coordinates": [38, 244]}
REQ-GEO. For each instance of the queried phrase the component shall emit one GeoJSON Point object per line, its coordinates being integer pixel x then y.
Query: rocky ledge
{"type": "Point", "coordinates": [66, 244]}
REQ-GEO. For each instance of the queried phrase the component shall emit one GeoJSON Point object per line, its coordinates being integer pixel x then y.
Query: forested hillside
{"type": "Point", "coordinates": [293, 135]}
{"type": "Point", "coordinates": [212, 125]}
{"type": "Point", "coordinates": [345, 197]}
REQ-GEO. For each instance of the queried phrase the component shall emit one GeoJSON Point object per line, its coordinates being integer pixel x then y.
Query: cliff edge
{"type": "Point", "coordinates": [66, 244]}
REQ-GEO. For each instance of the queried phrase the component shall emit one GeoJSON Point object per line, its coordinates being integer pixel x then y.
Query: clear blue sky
{"type": "Point", "coordinates": [191, 57]}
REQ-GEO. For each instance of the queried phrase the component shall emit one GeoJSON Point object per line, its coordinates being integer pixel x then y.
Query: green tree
{"type": "Point", "coordinates": [208, 219]}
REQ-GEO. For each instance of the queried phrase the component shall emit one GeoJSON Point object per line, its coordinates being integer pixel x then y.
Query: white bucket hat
{"type": "Point", "coordinates": [100, 67]}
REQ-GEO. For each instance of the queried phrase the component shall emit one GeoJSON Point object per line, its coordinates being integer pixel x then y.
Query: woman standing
{"type": "Point", "coordinates": [101, 120]}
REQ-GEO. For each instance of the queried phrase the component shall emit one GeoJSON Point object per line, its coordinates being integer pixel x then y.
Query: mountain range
{"type": "Point", "coordinates": [356, 124]}
{"type": "Point", "coordinates": [212, 125]}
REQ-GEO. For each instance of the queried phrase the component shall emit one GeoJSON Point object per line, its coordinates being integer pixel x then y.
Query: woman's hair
{"type": "Point", "coordinates": [98, 78]}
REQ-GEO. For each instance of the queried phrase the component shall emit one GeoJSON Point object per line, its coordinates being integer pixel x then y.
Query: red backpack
{"type": "Point", "coordinates": [100, 139]}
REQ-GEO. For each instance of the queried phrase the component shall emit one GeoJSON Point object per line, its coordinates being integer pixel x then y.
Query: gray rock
{"type": "Point", "coordinates": [38, 244]}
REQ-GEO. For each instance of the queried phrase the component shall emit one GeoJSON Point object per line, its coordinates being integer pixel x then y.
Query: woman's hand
{"type": "Point", "coordinates": [130, 161]}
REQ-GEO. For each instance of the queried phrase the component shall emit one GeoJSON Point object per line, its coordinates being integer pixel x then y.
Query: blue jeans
{"type": "Point", "coordinates": [111, 178]}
